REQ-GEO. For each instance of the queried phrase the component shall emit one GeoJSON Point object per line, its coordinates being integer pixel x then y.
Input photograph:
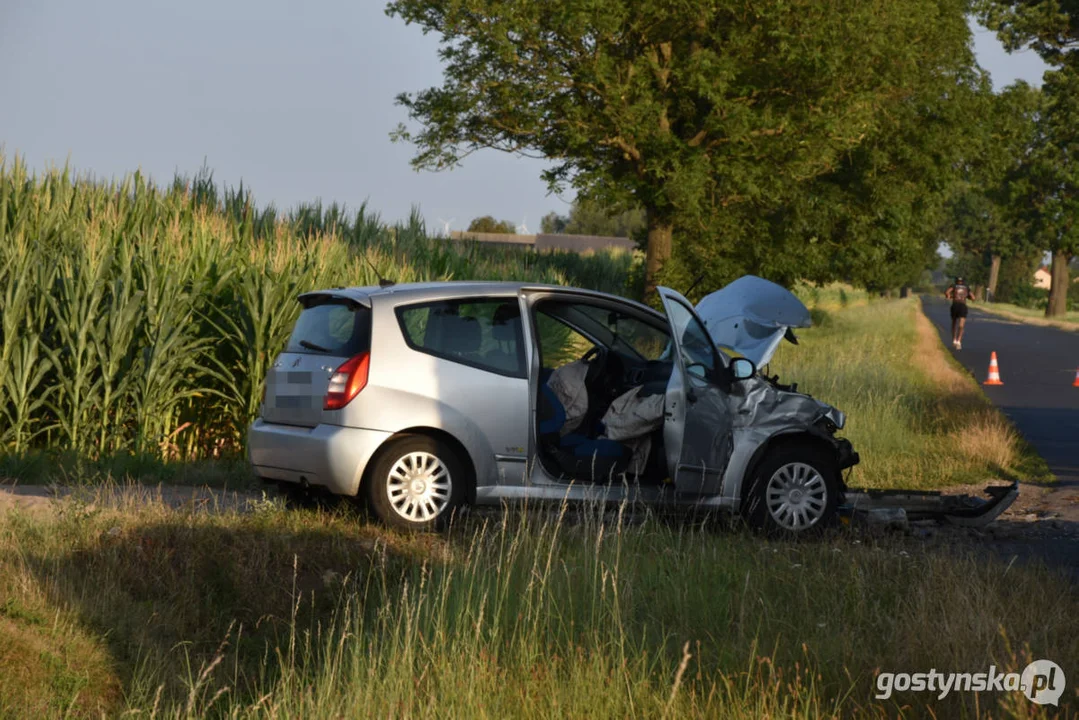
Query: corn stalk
{"type": "Point", "coordinates": [23, 322]}
{"type": "Point", "coordinates": [141, 319]}
{"type": "Point", "coordinates": [78, 327]}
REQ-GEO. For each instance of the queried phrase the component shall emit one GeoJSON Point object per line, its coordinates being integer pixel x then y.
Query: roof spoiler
{"type": "Point", "coordinates": [353, 297]}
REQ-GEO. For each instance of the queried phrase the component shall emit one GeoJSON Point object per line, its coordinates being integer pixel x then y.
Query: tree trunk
{"type": "Point", "coordinates": [1058, 290]}
{"type": "Point", "coordinates": [660, 232]}
{"type": "Point", "coordinates": [994, 275]}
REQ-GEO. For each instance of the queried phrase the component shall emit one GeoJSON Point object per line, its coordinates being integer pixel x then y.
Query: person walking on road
{"type": "Point", "coordinates": [959, 293]}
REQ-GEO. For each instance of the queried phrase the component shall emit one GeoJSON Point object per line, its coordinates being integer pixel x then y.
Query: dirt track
{"type": "Point", "coordinates": [41, 501]}
{"type": "Point", "coordinates": [1042, 525]}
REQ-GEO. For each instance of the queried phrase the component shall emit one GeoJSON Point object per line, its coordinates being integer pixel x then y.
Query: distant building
{"type": "Point", "coordinates": [1043, 279]}
{"type": "Point", "coordinates": [543, 241]}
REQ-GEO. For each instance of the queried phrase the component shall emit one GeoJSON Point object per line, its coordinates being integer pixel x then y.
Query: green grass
{"type": "Point", "coordinates": [1069, 320]}
{"type": "Point", "coordinates": [311, 614]}
{"type": "Point", "coordinates": [916, 419]}
{"type": "Point", "coordinates": [836, 296]}
{"type": "Point", "coordinates": [140, 610]}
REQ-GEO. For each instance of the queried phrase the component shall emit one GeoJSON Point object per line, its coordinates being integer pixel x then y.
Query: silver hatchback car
{"type": "Point", "coordinates": [426, 397]}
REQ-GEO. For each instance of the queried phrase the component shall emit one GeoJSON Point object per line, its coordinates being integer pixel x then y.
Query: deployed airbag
{"type": "Point", "coordinates": [567, 383]}
{"type": "Point", "coordinates": [631, 419]}
{"type": "Point", "coordinates": [631, 415]}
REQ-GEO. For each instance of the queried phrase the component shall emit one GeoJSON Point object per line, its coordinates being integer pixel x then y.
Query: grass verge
{"type": "Point", "coordinates": [918, 421]}
{"type": "Point", "coordinates": [1070, 321]}
{"type": "Point", "coordinates": [278, 614]}
{"type": "Point", "coordinates": [148, 611]}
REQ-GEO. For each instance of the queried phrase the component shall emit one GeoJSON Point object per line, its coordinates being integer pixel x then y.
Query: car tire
{"type": "Point", "coordinates": [794, 492]}
{"type": "Point", "coordinates": [416, 483]}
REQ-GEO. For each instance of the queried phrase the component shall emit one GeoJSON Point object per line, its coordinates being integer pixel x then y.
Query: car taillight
{"type": "Point", "coordinates": [346, 382]}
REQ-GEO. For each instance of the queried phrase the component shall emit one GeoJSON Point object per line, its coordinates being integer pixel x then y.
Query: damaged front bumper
{"type": "Point", "coordinates": [961, 510]}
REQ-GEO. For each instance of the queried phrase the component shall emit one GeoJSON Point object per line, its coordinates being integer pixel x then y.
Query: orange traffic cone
{"type": "Point", "coordinates": [994, 371]}
{"type": "Point", "coordinates": [1076, 383]}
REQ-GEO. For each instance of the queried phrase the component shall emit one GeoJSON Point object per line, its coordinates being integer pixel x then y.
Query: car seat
{"type": "Point", "coordinates": [581, 454]}
{"type": "Point", "coordinates": [456, 335]}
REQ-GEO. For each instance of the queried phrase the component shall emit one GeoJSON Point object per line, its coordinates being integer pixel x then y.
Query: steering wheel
{"type": "Point", "coordinates": [605, 372]}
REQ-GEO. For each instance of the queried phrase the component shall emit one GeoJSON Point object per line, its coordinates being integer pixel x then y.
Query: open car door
{"type": "Point", "coordinates": [697, 421]}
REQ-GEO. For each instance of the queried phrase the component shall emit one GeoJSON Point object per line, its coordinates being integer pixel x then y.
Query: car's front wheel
{"type": "Point", "coordinates": [795, 491]}
{"type": "Point", "coordinates": [416, 483]}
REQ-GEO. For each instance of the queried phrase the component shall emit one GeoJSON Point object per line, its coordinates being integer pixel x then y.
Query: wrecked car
{"type": "Point", "coordinates": [426, 397]}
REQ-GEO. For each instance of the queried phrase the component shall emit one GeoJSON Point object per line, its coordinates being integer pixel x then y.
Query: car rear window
{"type": "Point", "coordinates": [332, 327]}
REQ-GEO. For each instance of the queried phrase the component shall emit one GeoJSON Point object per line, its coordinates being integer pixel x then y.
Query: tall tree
{"type": "Point", "coordinates": [987, 219]}
{"type": "Point", "coordinates": [1049, 183]}
{"type": "Point", "coordinates": [1050, 28]}
{"type": "Point", "coordinates": [874, 220]}
{"type": "Point", "coordinates": [703, 112]}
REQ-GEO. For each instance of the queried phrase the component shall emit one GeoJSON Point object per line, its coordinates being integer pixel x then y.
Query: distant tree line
{"type": "Point", "coordinates": [488, 224]}
{"type": "Point", "coordinates": [590, 218]}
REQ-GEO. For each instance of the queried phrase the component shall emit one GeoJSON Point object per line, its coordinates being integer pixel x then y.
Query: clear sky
{"type": "Point", "coordinates": [295, 98]}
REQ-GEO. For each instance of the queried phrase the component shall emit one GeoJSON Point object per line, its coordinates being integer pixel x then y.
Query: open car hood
{"type": "Point", "coordinates": [751, 315]}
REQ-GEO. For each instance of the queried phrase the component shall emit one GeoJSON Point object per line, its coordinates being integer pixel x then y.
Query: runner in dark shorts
{"type": "Point", "coordinates": [959, 293]}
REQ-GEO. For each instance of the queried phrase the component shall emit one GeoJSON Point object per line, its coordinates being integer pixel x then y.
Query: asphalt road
{"type": "Point", "coordinates": [1037, 366]}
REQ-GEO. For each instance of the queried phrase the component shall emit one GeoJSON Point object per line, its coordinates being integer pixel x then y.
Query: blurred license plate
{"type": "Point", "coordinates": [293, 402]}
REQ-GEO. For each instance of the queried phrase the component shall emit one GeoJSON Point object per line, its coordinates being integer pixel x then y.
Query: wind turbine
{"type": "Point", "coordinates": [446, 225]}
{"type": "Point", "coordinates": [522, 229]}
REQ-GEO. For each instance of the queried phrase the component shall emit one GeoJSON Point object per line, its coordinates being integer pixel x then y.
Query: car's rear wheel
{"type": "Point", "coordinates": [795, 491]}
{"type": "Point", "coordinates": [416, 483]}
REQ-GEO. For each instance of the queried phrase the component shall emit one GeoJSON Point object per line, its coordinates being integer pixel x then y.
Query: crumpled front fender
{"type": "Point", "coordinates": [765, 415]}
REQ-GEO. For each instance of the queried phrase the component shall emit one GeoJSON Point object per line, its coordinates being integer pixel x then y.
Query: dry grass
{"type": "Point", "coordinates": [50, 668]}
{"type": "Point", "coordinates": [278, 613]}
{"type": "Point", "coordinates": [917, 421]}
{"type": "Point", "coordinates": [148, 605]}
{"type": "Point", "coordinates": [976, 429]}
{"type": "Point", "coordinates": [1032, 317]}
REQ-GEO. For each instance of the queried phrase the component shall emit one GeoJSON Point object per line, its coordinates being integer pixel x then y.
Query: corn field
{"type": "Point", "coordinates": [140, 319]}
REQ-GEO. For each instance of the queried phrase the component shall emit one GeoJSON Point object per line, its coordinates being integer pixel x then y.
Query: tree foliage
{"type": "Point", "coordinates": [715, 117]}
{"type": "Point", "coordinates": [1049, 185]}
{"type": "Point", "coordinates": [874, 219]}
{"type": "Point", "coordinates": [488, 224]}
{"type": "Point", "coordinates": [588, 217]}
{"type": "Point", "coordinates": [987, 221]}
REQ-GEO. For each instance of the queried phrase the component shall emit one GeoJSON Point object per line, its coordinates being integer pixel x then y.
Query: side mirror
{"type": "Point", "coordinates": [742, 369]}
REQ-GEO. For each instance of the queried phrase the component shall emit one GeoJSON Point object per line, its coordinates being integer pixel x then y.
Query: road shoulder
{"type": "Point", "coordinates": [1017, 317]}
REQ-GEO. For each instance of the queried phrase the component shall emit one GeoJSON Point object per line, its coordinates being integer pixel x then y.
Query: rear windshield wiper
{"type": "Point", "coordinates": [312, 346]}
